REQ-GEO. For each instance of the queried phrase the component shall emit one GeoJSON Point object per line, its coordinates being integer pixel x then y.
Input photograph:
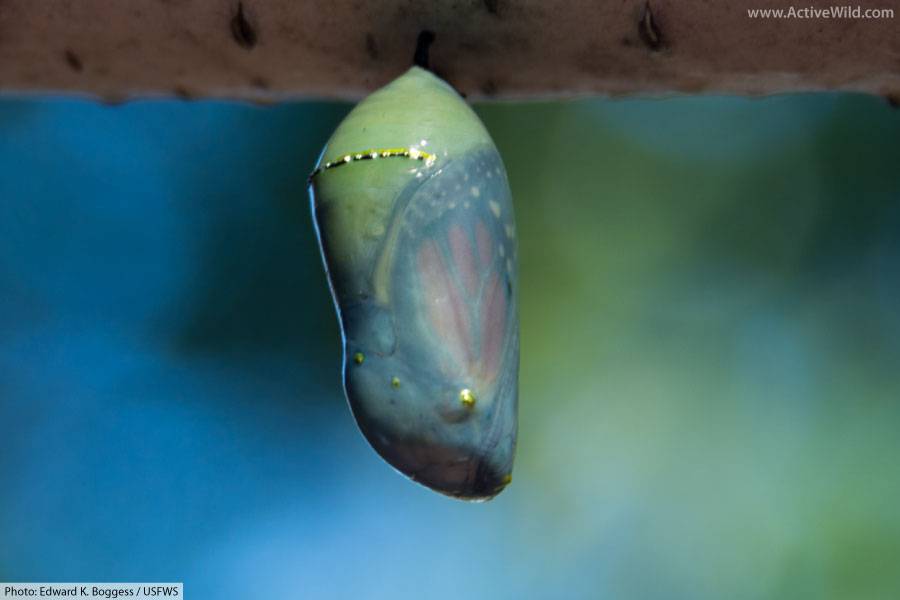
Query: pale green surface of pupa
{"type": "Point", "coordinates": [415, 222]}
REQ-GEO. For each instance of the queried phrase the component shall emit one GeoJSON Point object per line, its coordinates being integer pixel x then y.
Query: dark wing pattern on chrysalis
{"type": "Point", "coordinates": [437, 392]}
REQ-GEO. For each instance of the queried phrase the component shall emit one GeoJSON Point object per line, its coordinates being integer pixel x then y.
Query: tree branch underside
{"type": "Point", "coordinates": [271, 50]}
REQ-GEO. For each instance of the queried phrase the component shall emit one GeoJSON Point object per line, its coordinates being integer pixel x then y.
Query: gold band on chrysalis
{"type": "Point", "coordinates": [373, 153]}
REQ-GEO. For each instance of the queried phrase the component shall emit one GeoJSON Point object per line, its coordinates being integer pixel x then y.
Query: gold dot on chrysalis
{"type": "Point", "coordinates": [395, 382]}
{"type": "Point", "coordinates": [467, 398]}
{"type": "Point", "coordinates": [359, 358]}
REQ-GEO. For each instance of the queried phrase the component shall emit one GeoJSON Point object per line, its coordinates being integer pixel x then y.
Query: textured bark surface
{"type": "Point", "coordinates": [268, 50]}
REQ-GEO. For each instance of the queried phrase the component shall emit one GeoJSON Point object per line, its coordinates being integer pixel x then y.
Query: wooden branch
{"type": "Point", "coordinates": [267, 50]}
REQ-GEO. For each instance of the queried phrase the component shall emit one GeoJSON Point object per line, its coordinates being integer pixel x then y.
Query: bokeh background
{"type": "Point", "coordinates": [710, 381]}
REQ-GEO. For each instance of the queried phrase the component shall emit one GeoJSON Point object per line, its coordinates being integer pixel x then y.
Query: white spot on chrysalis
{"type": "Point", "coordinates": [475, 191]}
{"type": "Point", "coordinates": [495, 207]}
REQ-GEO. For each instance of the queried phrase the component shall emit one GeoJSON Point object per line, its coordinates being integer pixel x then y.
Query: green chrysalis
{"type": "Point", "coordinates": [415, 223]}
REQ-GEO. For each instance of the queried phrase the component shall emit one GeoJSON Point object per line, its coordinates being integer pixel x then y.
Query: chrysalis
{"type": "Point", "coordinates": [415, 223]}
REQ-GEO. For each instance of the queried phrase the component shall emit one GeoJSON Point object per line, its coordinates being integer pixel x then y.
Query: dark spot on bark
{"type": "Point", "coordinates": [371, 46]}
{"type": "Point", "coordinates": [73, 61]}
{"type": "Point", "coordinates": [649, 30]}
{"type": "Point", "coordinates": [182, 93]}
{"type": "Point", "coordinates": [259, 83]}
{"type": "Point", "coordinates": [492, 6]}
{"type": "Point", "coordinates": [626, 42]}
{"type": "Point", "coordinates": [241, 30]}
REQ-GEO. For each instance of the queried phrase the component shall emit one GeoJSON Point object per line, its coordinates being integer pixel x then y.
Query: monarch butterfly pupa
{"type": "Point", "coordinates": [414, 218]}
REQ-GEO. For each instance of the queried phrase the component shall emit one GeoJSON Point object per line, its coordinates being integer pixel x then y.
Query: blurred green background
{"type": "Point", "coordinates": [710, 398]}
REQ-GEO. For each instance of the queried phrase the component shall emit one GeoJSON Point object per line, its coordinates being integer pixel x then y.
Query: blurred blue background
{"type": "Point", "coordinates": [710, 398]}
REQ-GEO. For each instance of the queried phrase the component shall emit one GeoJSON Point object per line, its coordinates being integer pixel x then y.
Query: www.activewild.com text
{"type": "Point", "coordinates": [828, 12]}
